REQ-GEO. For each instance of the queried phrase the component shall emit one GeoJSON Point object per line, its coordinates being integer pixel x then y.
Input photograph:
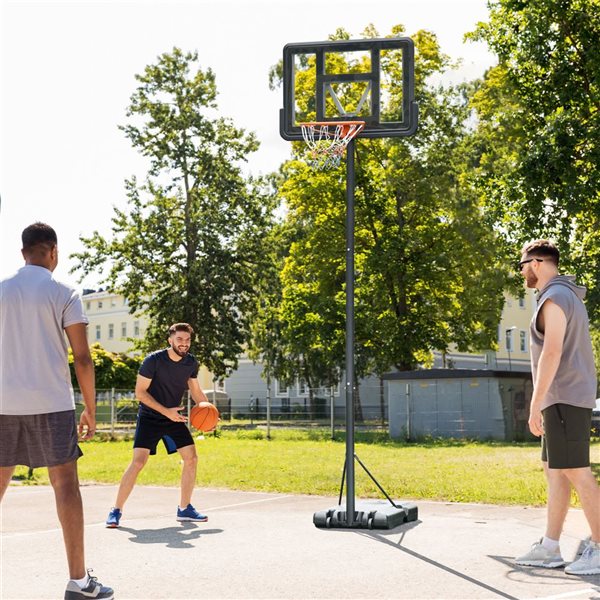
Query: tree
{"type": "Point", "coordinates": [188, 246]}
{"type": "Point", "coordinates": [539, 128]}
{"type": "Point", "coordinates": [429, 267]}
{"type": "Point", "coordinates": [113, 370]}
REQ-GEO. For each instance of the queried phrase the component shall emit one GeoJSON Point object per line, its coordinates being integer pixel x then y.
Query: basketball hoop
{"type": "Point", "coordinates": [328, 140]}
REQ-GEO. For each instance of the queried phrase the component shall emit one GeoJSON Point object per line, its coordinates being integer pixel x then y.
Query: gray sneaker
{"type": "Point", "coordinates": [94, 589]}
{"type": "Point", "coordinates": [588, 563]}
{"type": "Point", "coordinates": [539, 556]}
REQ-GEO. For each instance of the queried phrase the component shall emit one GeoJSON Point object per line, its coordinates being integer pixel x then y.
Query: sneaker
{"type": "Point", "coordinates": [94, 589]}
{"type": "Point", "coordinates": [190, 514]}
{"type": "Point", "coordinates": [588, 564]}
{"type": "Point", "coordinates": [114, 516]}
{"type": "Point", "coordinates": [539, 556]}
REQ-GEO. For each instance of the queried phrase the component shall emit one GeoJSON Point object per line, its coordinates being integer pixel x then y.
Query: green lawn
{"type": "Point", "coordinates": [308, 462]}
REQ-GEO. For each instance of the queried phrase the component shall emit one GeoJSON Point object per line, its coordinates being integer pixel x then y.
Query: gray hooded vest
{"type": "Point", "coordinates": [575, 380]}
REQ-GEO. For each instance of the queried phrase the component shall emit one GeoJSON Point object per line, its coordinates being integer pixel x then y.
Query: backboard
{"type": "Point", "coordinates": [370, 80]}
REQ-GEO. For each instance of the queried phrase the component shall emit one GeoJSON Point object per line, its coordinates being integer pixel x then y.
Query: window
{"type": "Point", "coordinates": [280, 388]}
{"type": "Point", "coordinates": [136, 329]}
{"type": "Point", "coordinates": [125, 302]}
{"type": "Point", "coordinates": [521, 302]}
{"type": "Point", "coordinates": [509, 340]}
{"type": "Point", "coordinates": [111, 331]}
{"type": "Point", "coordinates": [302, 388]}
{"type": "Point", "coordinates": [523, 341]}
{"type": "Point", "coordinates": [123, 329]}
{"type": "Point", "coordinates": [98, 332]}
{"type": "Point", "coordinates": [99, 304]}
{"type": "Point", "coordinates": [88, 305]}
{"type": "Point", "coordinates": [113, 302]}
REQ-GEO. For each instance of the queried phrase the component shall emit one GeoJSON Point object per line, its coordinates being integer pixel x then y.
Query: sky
{"type": "Point", "coordinates": [67, 72]}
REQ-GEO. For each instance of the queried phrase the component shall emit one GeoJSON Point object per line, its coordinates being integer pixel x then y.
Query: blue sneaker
{"type": "Point", "coordinates": [190, 514]}
{"type": "Point", "coordinates": [114, 516]}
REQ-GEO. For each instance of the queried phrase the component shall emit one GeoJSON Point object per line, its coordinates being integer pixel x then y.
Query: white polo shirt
{"type": "Point", "coordinates": [34, 369]}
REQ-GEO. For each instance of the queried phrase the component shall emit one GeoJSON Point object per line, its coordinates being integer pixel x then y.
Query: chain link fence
{"type": "Point", "coordinates": [116, 409]}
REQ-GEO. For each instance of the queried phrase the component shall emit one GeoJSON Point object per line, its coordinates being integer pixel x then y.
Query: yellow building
{"type": "Point", "coordinates": [513, 330]}
{"type": "Point", "coordinates": [114, 327]}
{"type": "Point", "coordinates": [111, 324]}
{"type": "Point", "coordinates": [513, 340]}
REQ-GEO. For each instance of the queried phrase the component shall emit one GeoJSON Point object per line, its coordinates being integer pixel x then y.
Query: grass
{"type": "Point", "coordinates": [308, 462]}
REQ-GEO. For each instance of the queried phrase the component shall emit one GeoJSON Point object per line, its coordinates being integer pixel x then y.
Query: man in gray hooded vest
{"type": "Point", "coordinates": [564, 393]}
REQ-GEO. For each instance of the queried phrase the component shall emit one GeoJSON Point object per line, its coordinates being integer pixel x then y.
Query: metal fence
{"type": "Point", "coordinates": [116, 409]}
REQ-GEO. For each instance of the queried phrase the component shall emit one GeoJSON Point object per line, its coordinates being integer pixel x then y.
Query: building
{"type": "Point", "coordinates": [111, 324]}
{"type": "Point", "coordinates": [114, 328]}
{"type": "Point", "coordinates": [513, 340]}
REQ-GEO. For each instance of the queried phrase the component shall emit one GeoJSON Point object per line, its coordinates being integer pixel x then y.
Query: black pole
{"type": "Point", "coordinates": [350, 333]}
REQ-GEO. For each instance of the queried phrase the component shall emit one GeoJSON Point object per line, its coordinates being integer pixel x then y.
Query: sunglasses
{"type": "Point", "coordinates": [524, 262]}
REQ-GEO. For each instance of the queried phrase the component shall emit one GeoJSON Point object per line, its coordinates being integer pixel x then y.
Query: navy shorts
{"type": "Point", "coordinates": [150, 431]}
{"type": "Point", "coordinates": [566, 439]}
{"type": "Point", "coordinates": [45, 440]}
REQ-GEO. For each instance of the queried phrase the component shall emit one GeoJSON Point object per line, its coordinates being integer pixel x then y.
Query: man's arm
{"type": "Point", "coordinates": [143, 395]}
{"type": "Point", "coordinates": [553, 322]}
{"type": "Point", "coordinates": [84, 371]}
{"type": "Point", "coordinates": [195, 391]}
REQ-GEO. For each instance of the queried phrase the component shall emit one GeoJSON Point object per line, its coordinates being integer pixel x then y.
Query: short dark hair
{"type": "Point", "coordinates": [181, 327]}
{"type": "Point", "coordinates": [542, 249]}
{"type": "Point", "coordinates": [38, 234]}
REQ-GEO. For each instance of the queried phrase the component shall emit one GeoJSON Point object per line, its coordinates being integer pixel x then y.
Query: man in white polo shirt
{"type": "Point", "coordinates": [37, 410]}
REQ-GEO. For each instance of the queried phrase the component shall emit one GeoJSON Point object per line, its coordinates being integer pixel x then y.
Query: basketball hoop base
{"type": "Point", "coordinates": [368, 514]}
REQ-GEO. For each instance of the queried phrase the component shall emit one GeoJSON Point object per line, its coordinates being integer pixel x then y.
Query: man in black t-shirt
{"type": "Point", "coordinates": [163, 378]}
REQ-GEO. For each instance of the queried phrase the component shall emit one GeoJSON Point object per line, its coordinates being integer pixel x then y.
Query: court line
{"type": "Point", "coordinates": [249, 502]}
{"type": "Point", "coordinates": [16, 534]}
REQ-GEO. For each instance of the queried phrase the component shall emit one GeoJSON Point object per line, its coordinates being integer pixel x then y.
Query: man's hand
{"type": "Point", "coordinates": [87, 425]}
{"type": "Point", "coordinates": [536, 425]}
{"type": "Point", "coordinates": [173, 414]}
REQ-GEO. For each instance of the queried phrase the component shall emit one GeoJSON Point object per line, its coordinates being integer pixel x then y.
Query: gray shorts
{"type": "Point", "coordinates": [35, 441]}
{"type": "Point", "coordinates": [566, 439]}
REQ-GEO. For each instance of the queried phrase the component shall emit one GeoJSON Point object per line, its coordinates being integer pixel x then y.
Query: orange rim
{"type": "Point", "coordinates": [345, 125]}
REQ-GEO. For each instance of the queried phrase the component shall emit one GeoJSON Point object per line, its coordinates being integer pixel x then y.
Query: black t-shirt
{"type": "Point", "coordinates": [169, 379]}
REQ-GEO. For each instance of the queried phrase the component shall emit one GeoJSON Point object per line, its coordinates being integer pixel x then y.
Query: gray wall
{"type": "Point", "coordinates": [479, 407]}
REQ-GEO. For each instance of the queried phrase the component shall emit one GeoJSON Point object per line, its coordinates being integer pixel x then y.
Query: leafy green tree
{"type": "Point", "coordinates": [539, 128]}
{"type": "Point", "coordinates": [113, 370]}
{"type": "Point", "coordinates": [429, 267]}
{"type": "Point", "coordinates": [188, 245]}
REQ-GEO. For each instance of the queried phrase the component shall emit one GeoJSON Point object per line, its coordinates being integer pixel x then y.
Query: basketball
{"type": "Point", "coordinates": [204, 416]}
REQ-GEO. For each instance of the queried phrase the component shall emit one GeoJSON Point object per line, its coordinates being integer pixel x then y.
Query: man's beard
{"type": "Point", "coordinates": [182, 353]}
{"type": "Point", "coordinates": [531, 280]}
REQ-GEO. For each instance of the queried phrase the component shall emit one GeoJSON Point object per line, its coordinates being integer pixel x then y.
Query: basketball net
{"type": "Point", "coordinates": [327, 141]}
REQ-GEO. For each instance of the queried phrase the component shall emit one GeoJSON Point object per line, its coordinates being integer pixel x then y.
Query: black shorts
{"type": "Point", "coordinates": [566, 439]}
{"type": "Point", "coordinates": [45, 440]}
{"type": "Point", "coordinates": [150, 431]}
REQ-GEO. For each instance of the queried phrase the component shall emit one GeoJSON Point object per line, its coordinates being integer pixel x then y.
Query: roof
{"type": "Point", "coordinates": [455, 374]}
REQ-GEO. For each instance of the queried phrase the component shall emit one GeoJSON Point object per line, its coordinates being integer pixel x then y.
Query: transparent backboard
{"type": "Point", "coordinates": [370, 80]}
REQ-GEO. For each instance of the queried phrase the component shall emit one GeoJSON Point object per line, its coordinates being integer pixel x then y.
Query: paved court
{"type": "Point", "coordinates": [258, 545]}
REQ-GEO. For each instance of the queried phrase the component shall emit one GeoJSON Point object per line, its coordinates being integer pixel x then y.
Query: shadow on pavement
{"type": "Point", "coordinates": [171, 537]}
{"type": "Point", "coordinates": [398, 546]}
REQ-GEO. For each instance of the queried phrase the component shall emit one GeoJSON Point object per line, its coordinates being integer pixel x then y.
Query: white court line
{"type": "Point", "coordinates": [249, 502]}
{"type": "Point", "coordinates": [572, 594]}
{"type": "Point", "coordinates": [102, 524]}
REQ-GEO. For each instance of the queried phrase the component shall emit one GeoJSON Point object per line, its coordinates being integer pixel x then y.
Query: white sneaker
{"type": "Point", "coordinates": [588, 564]}
{"type": "Point", "coordinates": [539, 556]}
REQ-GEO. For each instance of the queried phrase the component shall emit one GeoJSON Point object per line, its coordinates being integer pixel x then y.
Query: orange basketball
{"type": "Point", "coordinates": [204, 416]}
